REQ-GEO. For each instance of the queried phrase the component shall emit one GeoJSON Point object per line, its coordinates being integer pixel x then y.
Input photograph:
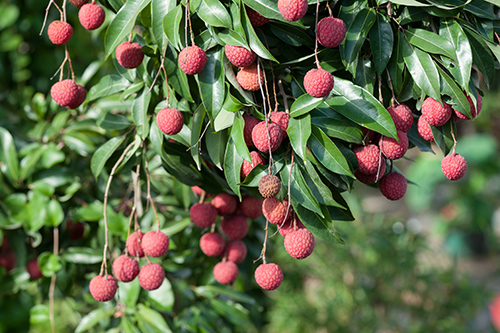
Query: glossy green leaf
{"type": "Point", "coordinates": [82, 255]}
{"type": "Point", "coordinates": [299, 131]}
{"type": "Point", "coordinates": [356, 35]}
{"type": "Point", "coordinates": [268, 9]}
{"type": "Point", "coordinates": [396, 65]}
{"type": "Point", "coordinates": [459, 100]}
{"type": "Point", "coordinates": [304, 104]}
{"type": "Point", "coordinates": [482, 57]}
{"type": "Point", "coordinates": [55, 214]}
{"type": "Point", "coordinates": [176, 77]}
{"type": "Point", "coordinates": [294, 36]}
{"type": "Point", "coordinates": [128, 293]}
{"type": "Point", "coordinates": [253, 40]}
{"type": "Point", "coordinates": [8, 156]}
{"type": "Point", "coordinates": [39, 314]}
{"type": "Point", "coordinates": [108, 85]}
{"type": "Point", "coordinates": [482, 9]}
{"type": "Point", "coordinates": [162, 298]}
{"type": "Point", "coordinates": [442, 136]}
{"type": "Point", "coordinates": [140, 112]}
{"type": "Point", "coordinates": [212, 12]}
{"type": "Point", "coordinates": [160, 8]}
{"type": "Point", "coordinates": [103, 153]}
{"type": "Point", "coordinates": [93, 318]}
{"type": "Point", "coordinates": [365, 75]}
{"type": "Point", "coordinates": [431, 42]}
{"type": "Point", "coordinates": [232, 167]}
{"type": "Point", "coordinates": [224, 119]}
{"type": "Point", "coordinates": [150, 320]}
{"type": "Point", "coordinates": [30, 162]}
{"type": "Point", "coordinates": [238, 138]}
{"type": "Point", "coordinates": [417, 140]}
{"type": "Point", "coordinates": [381, 39]}
{"type": "Point", "coordinates": [211, 83]}
{"type": "Point", "coordinates": [196, 131]}
{"type": "Point", "coordinates": [320, 191]}
{"type": "Point", "coordinates": [49, 263]}
{"type": "Point", "coordinates": [113, 121]}
{"type": "Point", "coordinates": [216, 146]}
{"type": "Point", "coordinates": [173, 28]}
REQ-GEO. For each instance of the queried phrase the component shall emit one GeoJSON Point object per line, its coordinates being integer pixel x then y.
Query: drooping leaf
{"type": "Point", "coordinates": [381, 42]}
{"type": "Point", "coordinates": [459, 100]}
{"type": "Point", "coordinates": [431, 42]}
{"type": "Point", "coordinates": [299, 131]}
{"type": "Point", "coordinates": [216, 146]}
{"type": "Point", "coordinates": [108, 85]}
{"type": "Point", "coordinates": [482, 57]}
{"type": "Point", "coordinates": [160, 8]}
{"type": "Point", "coordinates": [140, 113]}
{"type": "Point", "coordinates": [304, 104]}
{"type": "Point", "coordinates": [232, 167]}
{"type": "Point", "coordinates": [238, 138]}
{"type": "Point", "coordinates": [211, 83]}
{"type": "Point", "coordinates": [103, 153]}
{"type": "Point", "coordinates": [212, 12]}
{"type": "Point", "coordinates": [92, 319]}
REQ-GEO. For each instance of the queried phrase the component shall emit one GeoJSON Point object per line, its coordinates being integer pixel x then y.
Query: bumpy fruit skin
{"type": "Point", "coordinates": [203, 215]}
{"type": "Point", "coordinates": [250, 122]}
{"type": "Point", "coordinates": [424, 129]}
{"type": "Point", "coordinates": [64, 92]}
{"type": "Point", "coordinates": [125, 268]}
{"type": "Point", "coordinates": [103, 288]}
{"type": "Point", "coordinates": [134, 247]}
{"type": "Point", "coordinates": [81, 95]}
{"type": "Point", "coordinates": [78, 3]}
{"type": "Point", "coordinates": [59, 32]}
{"type": "Point", "coordinates": [393, 186]}
{"type": "Point", "coordinates": [155, 243]}
{"type": "Point", "coordinates": [299, 243]}
{"type": "Point", "coordinates": [292, 10]}
{"type": "Point", "coordinates": [331, 32]}
{"type": "Point", "coordinates": [373, 178]}
{"type": "Point", "coordinates": [392, 149]}
{"type": "Point", "coordinates": [248, 78]}
{"type": "Point", "coordinates": [473, 111]}
{"type": "Point", "coordinates": [225, 272]}
{"type": "Point", "coordinates": [151, 276]}
{"type": "Point", "coordinates": [368, 159]}
{"type": "Point", "coordinates": [235, 227]}
{"type": "Point", "coordinates": [225, 204]}
{"type": "Point", "coordinates": [129, 55]}
{"type": "Point", "coordinates": [33, 269]}
{"type": "Point", "coordinates": [170, 121]}
{"type": "Point", "coordinates": [281, 118]}
{"type": "Point", "coordinates": [454, 166]}
{"type": "Point", "coordinates": [91, 16]}
{"type": "Point", "coordinates": [239, 56]}
{"type": "Point", "coordinates": [402, 117]}
{"type": "Point", "coordinates": [212, 244]}
{"type": "Point", "coordinates": [318, 82]}
{"type": "Point", "coordinates": [288, 227]}
{"type": "Point", "coordinates": [236, 251]}
{"type": "Point", "coordinates": [257, 159]}
{"type": "Point", "coordinates": [192, 60]}
{"type": "Point", "coordinates": [434, 113]}
{"type": "Point", "coordinates": [251, 207]}
{"type": "Point", "coordinates": [261, 138]}
{"type": "Point", "coordinates": [269, 276]}
{"type": "Point", "coordinates": [274, 211]}
{"type": "Point", "coordinates": [256, 20]}
{"type": "Point", "coordinates": [269, 186]}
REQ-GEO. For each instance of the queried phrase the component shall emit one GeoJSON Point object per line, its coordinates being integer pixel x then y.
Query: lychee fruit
{"type": "Point", "coordinates": [424, 129]}
{"type": "Point", "coordinates": [299, 243]}
{"type": "Point", "coordinates": [393, 149]}
{"type": "Point", "coordinates": [281, 118]}
{"type": "Point", "coordinates": [331, 32]}
{"type": "Point", "coordinates": [212, 244]}
{"type": "Point", "coordinates": [8, 260]}
{"type": "Point", "coordinates": [78, 3]}
{"type": "Point", "coordinates": [91, 16]}
{"type": "Point", "coordinates": [251, 207]}
{"type": "Point", "coordinates": [368, 159]}
{"type": "Point", "coordinates": [170, 121]}
{"type": "Point", "coordinates": [203, 215]}
{"type": "Point", "coordinates": [125, 268]}
{"type": "Point", "coordinates": [192, 60]}
{"type": "Point", "coordinates": [256, 20]}
{"type": "Point", "coordinates": [373, 178]}
{"type": "Point", "coordinates": [75, 230]}
{"type": "Point", "coordinates": [257, 159]}
{"type": "Point", "coordinates": [151, 276]}
{"type": "Point", "coordinates": [292, 10]}
{"type": "Point", "coordinates": [393, 185]}
{"type": "Point", "coordinates": [368, 135]}
{"type": "Point", "coordinates": [472, 108]}
{"type": "Point", "coordinates": [60, 32]}
{"type": "Point", "coordinates": [155, 243]}
{"type": "Point", "coordinates": [248, 78]}
{"type": "Point", "coordinates": [81, 95]}
{"type": "Point", "coordinates": [264, 141]}
{"type": "Point", "coordinates": [103, 288]}
{"type": "Point", "coordinates": [239, 56]}
{"type": "Point", "coordinates": [234, 227]}
{"type": "Point", "coordinates": [225, 203]}
{"type": "Point", "coordinates": [318, 82]}
{"type": "Point", "coordinates": [33, 269]}
{"type": "Point", "coordinates": [65, 92]}
{"type": "Point", "coordinates": [225, 272]}
{"type": "Point", "coordinates": [402, 117]}
{"type": "Point", "coordinates": [236, 251]}
{"type": "Point", "coordinates": [288, 226]}
{"type": "Point", "coordinates": [129, 55]}
{"type": "Point", "coordinates": [198, 191]}
{"type": "Point", "coordinates": [274, 211]}
{"type": "Point", "coordinates": [454, 166]}
{"type": "Point", "coordinates": [250, 122]}
{"type": "Point", "coordinates": [269, 186]}
{"type": "Point", "coordinates": [134, 246]}
{"type": "Point", "coordinates": [268, 276]}
{"type": "Point", "coordinates": [435, 113]}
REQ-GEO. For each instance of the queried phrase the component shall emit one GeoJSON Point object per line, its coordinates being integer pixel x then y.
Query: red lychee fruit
{"type": "Point", "coordinates": [248, 78]}
{"type": "Point", "coordinates": [434, 113]}
{"type": "Point", "coordinates": [170, 121]}
{"type": "Point", "coordinates": [234, 227]}
{"type": "Point", "coordinates": [256, 20]}
{"type": "Point", "coordinates": [64, 92]}
{"type": "Point", "coordinates": [393, 185]}
{"type": "Point", "coordinates": [192, 60]}
{"type": "Point", "coordinates": [236, 251]}
{"type": "Point", "coordinates": [225, 203]}
{"type": "Point", "coordinates": [257, 159]}
{"type": "Point", "coordinates": [261, 139]}
{"type": "Point", "coordinates": [81, 95]}
{"type": "Point", "coordinates": [424, 129]}
{"type": "Point", "coordinates": [373, 178]}
{"type": "Point", "coordinates": [75, 229]}
{"type": "Point", "coordinates": [91, 16]}
{"type": "Point", "coordinates": [129, 55]}
{"type": "Point", "coordinates": [392, 149]}
{"type": "Point", "coordinates": [212, 244]}
{"type": "Point", "coordinates": [402, 117]}
{"type": "Point", "coordinates": [274, 211]}
{"type": "Point", "coordinates": [269, 186]}
{"type": "Point", "coordinates": [368, 159]}
{"type": "Point", "coordinates": [494, 309]}
{"type": "Point", "coordinates": [318, 82]}
{"type": "Point", "coordinates": [299, 243]}
{"type": "Point", "coordinates": [8, 260]}
{"type": "Point", "coordinates": [155, 243]}
{"type": "Point", "coordinates": [203, 215]}
{"type": "Point", "coordinates": [250, 122]}
{"type": "Point", "coordinates": [125, 268]}
{"type": "Point", "coordinates": [134, 246]}
{"type": "Point", "coordinates": [368, 135]}
{"type": "Point", "coordinates": [225, 272]}
{"type": "Point", "coordinates": [78, 3]}
{"type": "Point", "coordinates": [331, 32]}
{"type": "Point", "coordinates": [472, 108]}
{"type": "Point", "coordinates": [151, 276]}
{"type": "Point", "coordinates": [292, 10]}
{"type": "Point", "coordinates": [198, 191]}
{"type": "Point", "coordinates": [33, 269]}
{"type": "Point", "coordinates": [268, 276]}
{"type": "Point", "coordinates": [239, 56]}
{"type": "Point", "coordinates": [454, 166]}
{"type": "Point", "coordinates": [103, 288]}
{"type": "Point", "coordinates": [288, 226]}
{"type": "Point", "coordinates": [281, 118]}
{"type": "Point", "coordinates": [60, 32]}
{"type": "Point", "coordinates": [251, 207]}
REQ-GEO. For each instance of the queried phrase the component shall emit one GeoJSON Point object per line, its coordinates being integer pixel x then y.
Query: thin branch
{"type": "Point", "coordinates": [316, 39]}
{"type": "Point", "coordinates": [148, 196]}
{"type": "Point", "coordinates": [453, 136]}
{"type": "Point", "coordinates": [53, 282]}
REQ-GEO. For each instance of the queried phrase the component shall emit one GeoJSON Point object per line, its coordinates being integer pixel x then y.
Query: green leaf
{"type": "Point", "coordinates": [176, 77]}
{"type": "Point", "coordinates": [231, 37]}
{"type": "Point", "coordinates": [320, 191]}
{"type": "Point", "coordinates": [160, 8]}
{"type": "Point", "coordinates": [103, 153]}
{"type": "Point", "coordinates": [172, 26]}
{"type": "Point", "coordinates": [482, 57]}
{"type": "Point", "coordinates": [162, 298]}
{"type": "Point", "coordinates": [39, 314]}
{"type": "Point", "coordinates": [482, 9]}
{"type": "Point", "coordinates": [8, 156]}
{"type": "Point", "coordinates": [238, 138]}
{"type": "Point", "coordinates": [82, 255]}
{"type": "Point", "coordinates": [113, 121]}
{"type": "Point", "coordinates": [459, 100]}
{"type": "Point", "coordinates": [365, 76]}
{"type": "Point", "coordinates": [396, 65]}
{"type": "Point", "coordinates": [93, 318]}
{"type": "Point", "coordinates": [216, 146]}
{"type": "Point", "coordinates": [232, 167]}
{"type": "Point", "coordinates": [417, 140]}
{"type": "Point", "coordinates": [381, 42]}
{"type": "Point", "coordinates": [431, 42]}
{"type": "Point", "coordinates": [108, 85]}
{"type": "Point", "coordinates": [126, 324]}
{"type": "Point", "coordinates": [442, 136]}
{"type": "Point", "coordinates": [212, 12]}
{"type": "Point", "coordinates": [140, 112]}
{"type": "Point", "coordinates": [268, 9]}
{"type": "Point", "coordinates": [30, 162]}
{"type": "Point", "coordinates": [224, 119]}
{"type": "Point", "coordinates": [128, 293]}
{"type": "Point", "coordinates": [55, 214]}
{"type": "Point", "coordinates": [196, 128]}
{"type": "Point", "coordinates": [253, 40]}
{"type": "Point", "coordinates": [304, 104]}
{"type": "Point", "coordinates": [150, 320]}
{"type": "Point", "coordinates": [410, 3]}
{"type": "Point", "coordinates": [299, 131]}
{"type": "Point", "coordinates": [294, 36]}
{"type": "Point", "coordinates": [211, 83]}
{"type": "Point", "coordinates": [122, 24]}
{"type": "Point", "coordinates": [49, 263]}
{"type": "Point", "coordinates": [210, 291]}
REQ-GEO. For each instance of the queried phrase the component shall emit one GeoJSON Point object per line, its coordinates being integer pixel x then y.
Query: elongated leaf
{"type": "Point", "coordinates": [365, 75]}
{"type": "Point", "coordinates": [450, 88]}
{"type": "Point", "coordinates": [253, 40]}
{"type": "Point", "coordinates": [356, 35]}
{"type": "Point", "coordinates": [410, 3]}
{"type": "Point", "coordinates": [55, 214]}
{"type": "Point", "coordinates": [442, 136]}
{"type": "Point", "coordinates": [320, 191]}
{"type": "Point", "coordinates": [304, 104]}
{"type": "Point", "coordinates": [29, 163]}
{"type": "Point", "coordinates": [150, 320]}
{"type": "Point", "coordinates": [211, 83]}
{"type": "Point", "coordinates": [481, 56]}
{"type": "Point", "coordinates": [328, 153]}
{"type": "Point", "coordinates": [163, 297]}
{"type": "Point", "coordinates": [232, 167]}
{"type": "Point", "coordinates": [216, 146]}
{"type": "Point", "coordinates": [103, 153]}
{"type": "Point", "coordinates": [176, 77]}
{"type": "Point", "coordinates": [417, 140]}
{"type": "Point", "coordinates": [396, 65]}
{"type": "Point", "coordinates": [108, 85]}
{"type": "Point", "coordinates": [381, 42]}
{"type": "Point", "coordinates": [140, 113]}
{"type": "Point", "coordinates": [237, 135]}
{"type": "Point", "coordinates": [113, 121]}
{"type": "Point", "coordinates": [268, 9]}
{"type": "Point", "coordinates": [82, 255]}
{"type": "Point", "coordinates": [482, 9]}
{"type": "Point", "coordinates": [160, 8]}
{"type": "Point", "coordinates": [294, 36]}
{"type": "Point", "coordinates": [431, 42]}
{"type": "Point", "coordinates": [321, 227]}
{"type": "Point", "coordinates": [172, 26]}
{"type": "Point", "coordinates": [212, 12]}
{"type": "Point", "coordinates": [93, 318]}
{"type": "Point", "coordinates": [196, 128]}
{"type": "Point", "coordinates": [299, 131]}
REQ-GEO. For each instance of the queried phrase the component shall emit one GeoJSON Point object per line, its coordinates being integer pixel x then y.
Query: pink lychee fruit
{"type": "Point", "coordinates": [91, 16]}
{"type": "Point", "coordinates": [234, 227]}
{"type": "Point", "coordinates": [393, 185]}
{"type": "Point", "coordinates": [250, 122]}
{"type": "Point", "coordinates": [251, 207]}
{"type": "Point", "coordinates": [129, 55]}
{"type": "Point", "coordinates": [81, 95]}
{"type": "Point", "coordinates": [192, 60]}
{"type": "Point", "coordinates": [170, 121]}
{"type": "Point", "coordinates": [424, 129]}
{"type": "Point", "coordinates": [33, 269]}
{"type": "Point", "coordinates": [299, 243]}
{"type": "Point", "coordinates": [288, 227]}
{"type": "Point", "coordinates": [292, 10]}
{"type": "Point", "coordinates": [331, 32]}
{"type": "Point", "coordinates": [212, 244]}
{"type": "Point", "coordinates": [261, 139]}
{"type": "Point", "coordinates": [65, 92]}
{"type": "Point", "coordinates": [248, 78]}
{"type": "Point", "coordinates": [257, 159]}
{"type": "Point", "coordinates": [274, 211]}
{"type": "Point", "coordinates": [125, 268]}
{"type": "Point", "coordinates": [134, 246]}
{"type": "Point", "coordinates": [236, 251]}
{"type": "Point", "coordinates": [103, 288]}
{"type": "Point", "coordinates": [435, 113]}
{"type": "Point", "coordinates": [473, 111]}
{"type": "Point", "coordinates": [402, 117]}
{"type": "Point", "coordinates": [256, 20]}
{"type": "Point", "coordinates": [151, 276]}
{"type": "Point", "coordinates": [368, 159]}
{"type": "Point", "coordinates": [225, 204]}
{"type": "Point", "coordinates": [393, 149]}
{"type": "Point", "coordinates": [59, 32]}
{"type": "Point", "coordinates": [155, 243]}
{"type": "Point", "coordinates": [373, 178]}
{"type": "Point", "coordinates": [318, 82]}
{"type": "Point", "coordinates": [225, 272]}
{"type": "Point", "coordinates": [203, 215]}
{"type": "Point", "coordinates": [269, 276]}
{"type": "Point", "coordinates": [239, 56]}
{"type": "Point", "coordinates": [454, 166]}
{"type": "Point", "coordinates": [281, 118]}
